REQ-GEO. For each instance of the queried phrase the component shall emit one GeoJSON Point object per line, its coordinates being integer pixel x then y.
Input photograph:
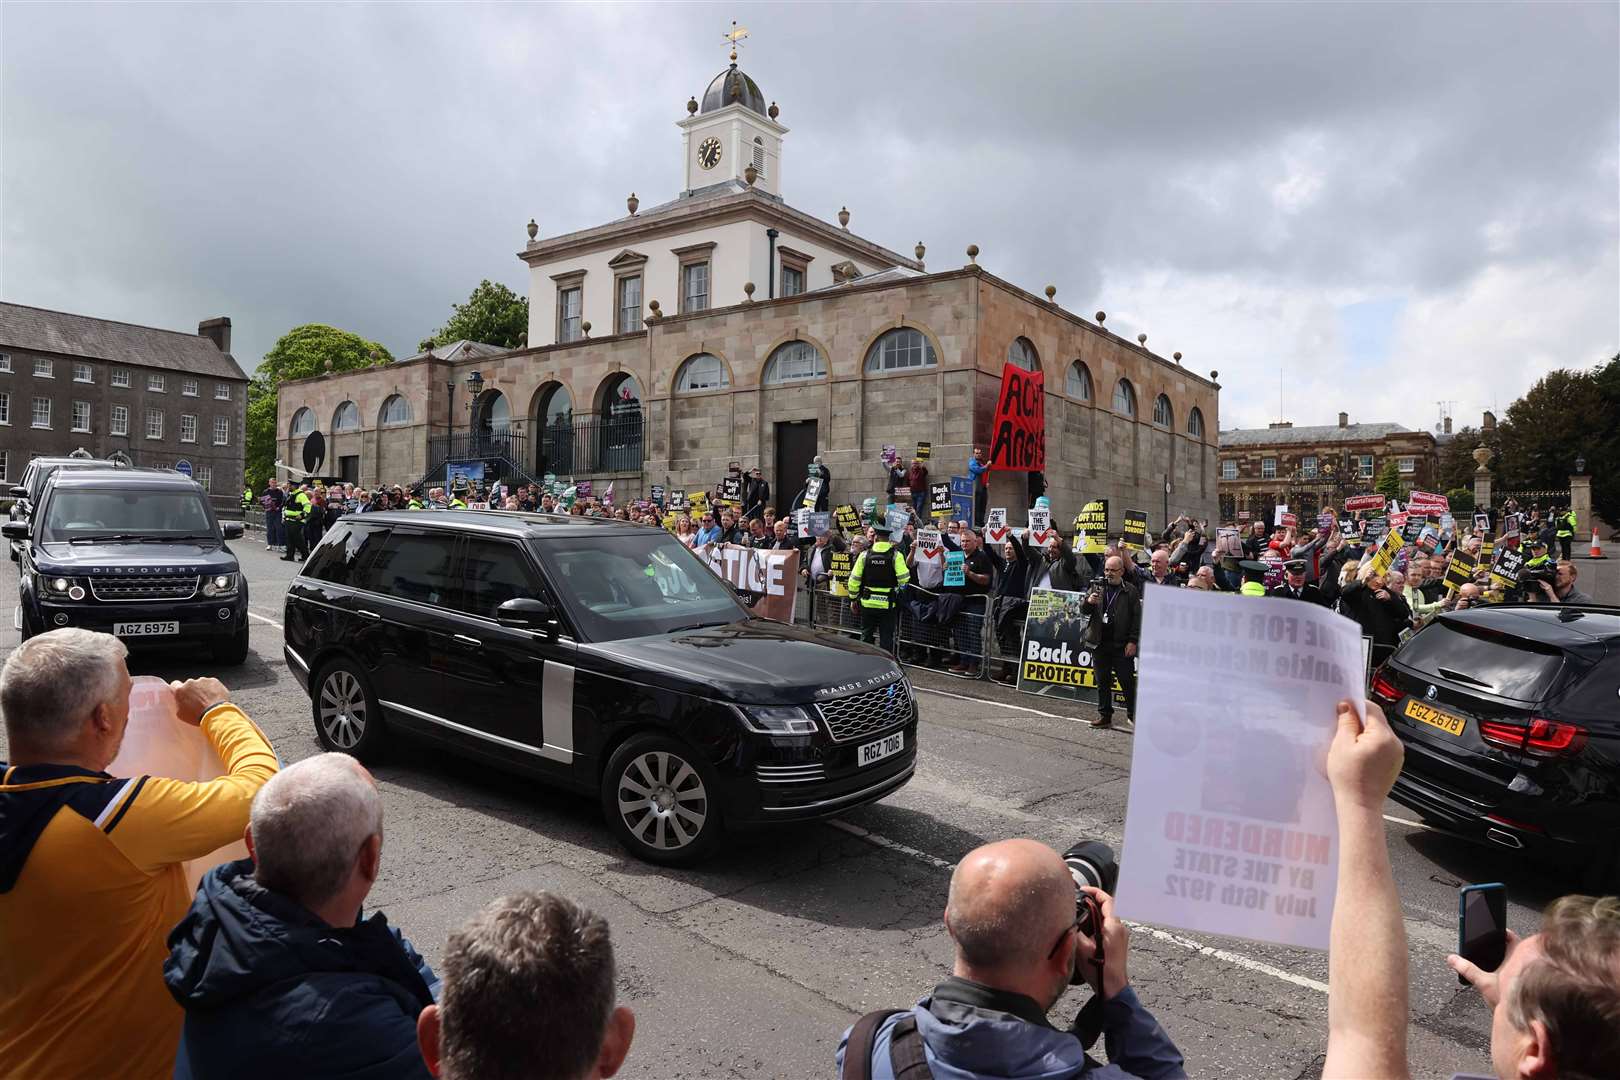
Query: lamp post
{"type": "Point", "coordinates": [1580, 466]}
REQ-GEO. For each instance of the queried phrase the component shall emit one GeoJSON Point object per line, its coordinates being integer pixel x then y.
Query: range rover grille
{"type": "Point", "coordinates": [790, 774]}
{"type": "Point", "coordinates": [128, 587]}
{"type": "Point", "coordinates": [867, 713]}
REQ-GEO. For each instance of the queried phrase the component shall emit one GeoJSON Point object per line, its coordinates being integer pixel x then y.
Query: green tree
{"type": "Point", "coordinates": [1456, 458]}
{"type": "Point", "coordinates": [1604, 457]}
{"type": "Point", "coordinates": [1558, 419]}
{"type": "Point", "coordinates": [1388, 483]}
{"type": "Point", "coordinates": [301, 352]}
{"type": "Point", "coordinates": [493, 314]}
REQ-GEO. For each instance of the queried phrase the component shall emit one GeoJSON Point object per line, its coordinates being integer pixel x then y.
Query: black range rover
{"type": "Point", "coordinates": [598, 655]}
{"type": "Point", "coordinates": [133, 552]}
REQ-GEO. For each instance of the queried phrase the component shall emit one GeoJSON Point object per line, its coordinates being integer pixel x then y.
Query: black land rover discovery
{"type": "Point", "coordinates": [133, 552]}
{"type": "Point", "coordinates": [597, 655]}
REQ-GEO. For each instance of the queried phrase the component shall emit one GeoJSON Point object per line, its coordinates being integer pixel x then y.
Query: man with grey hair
{"type": "Point", "coordinates": [528, 992]}
{"type": "Point", "coordinates": [1012, 914]}
{"type": "Point", "coordinates": [276, 970]}
{"type": "Point", "coordinates": [90, 865]}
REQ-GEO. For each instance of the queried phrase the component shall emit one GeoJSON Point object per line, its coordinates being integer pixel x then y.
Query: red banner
{"type": "Point", "coordinates": [1019, 440]}
{"type": "Point", "coordinates": [1427, 503]}
{"type": "Point", "coordinates": [1363, 502]}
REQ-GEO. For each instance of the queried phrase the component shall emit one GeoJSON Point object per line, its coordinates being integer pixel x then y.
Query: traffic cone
{"type": "Point", "coordinates": [1597, 548]}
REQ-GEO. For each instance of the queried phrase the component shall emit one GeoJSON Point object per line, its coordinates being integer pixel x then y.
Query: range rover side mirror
{"type": "Point", "coordinates": [231, 530]}
{"type": "Point", "coordinates": [14, 530]}
{"type": "Point", "coordinates": [527, 613]}
{"type": "Point", "coordinates": [19, 492]}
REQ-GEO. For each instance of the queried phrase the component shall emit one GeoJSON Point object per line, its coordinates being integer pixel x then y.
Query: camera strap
{"type": "Point", "coordinates": [907, 1059]}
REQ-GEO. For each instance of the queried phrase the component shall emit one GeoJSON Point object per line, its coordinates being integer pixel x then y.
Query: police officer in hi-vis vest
{"type": "Point", "coordinates": [878, 573]}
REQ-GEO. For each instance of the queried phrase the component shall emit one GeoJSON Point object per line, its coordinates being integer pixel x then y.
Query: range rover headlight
{"type": "Point", "coordinates": [219, 585]}
{"type": "Point", "coordinates": [777, 719]}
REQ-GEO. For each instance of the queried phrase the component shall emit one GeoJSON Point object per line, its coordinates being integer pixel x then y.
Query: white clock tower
{"type": "Point", "coordinates": [730, 133]}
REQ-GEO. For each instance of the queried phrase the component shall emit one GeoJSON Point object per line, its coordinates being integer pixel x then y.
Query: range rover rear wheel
{"type": "Point", "coordinates": [347, 718]}
{"type": "Point", "coordinates": [658, 796]}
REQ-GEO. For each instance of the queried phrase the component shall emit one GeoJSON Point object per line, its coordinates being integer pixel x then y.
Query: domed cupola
{"type": "Point", "coordinates": [733, 87]}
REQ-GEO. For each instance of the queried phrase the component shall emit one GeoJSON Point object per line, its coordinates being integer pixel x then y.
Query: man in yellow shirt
{"type": "Point", "coordinates": [91, 880]}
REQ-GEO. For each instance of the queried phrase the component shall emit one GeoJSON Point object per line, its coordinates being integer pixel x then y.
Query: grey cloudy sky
{"type": "Point", "coordinates": [1392, 203]}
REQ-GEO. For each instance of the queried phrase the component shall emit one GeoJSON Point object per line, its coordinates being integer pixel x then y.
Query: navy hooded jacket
{"type": "Point", "coordinates": [270, 990]}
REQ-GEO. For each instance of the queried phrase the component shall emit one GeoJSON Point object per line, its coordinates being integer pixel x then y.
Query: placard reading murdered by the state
{"type": "Point", "coordinates": [1230, 828]}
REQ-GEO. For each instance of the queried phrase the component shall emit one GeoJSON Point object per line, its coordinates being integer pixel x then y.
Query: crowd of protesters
{"type": "Point", "coordinates": [272, 966]}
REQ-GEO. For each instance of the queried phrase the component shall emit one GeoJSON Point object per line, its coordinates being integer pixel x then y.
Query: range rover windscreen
{"type": "Point", "coordinates": [638, 584]}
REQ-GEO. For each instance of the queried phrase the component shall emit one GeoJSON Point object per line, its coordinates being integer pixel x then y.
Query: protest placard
{"type": "Point", "coordinates": [1277, 515]}
{"type": "Point", "coordinates": [1482, 524]}
{"type": "Point", "coordinates": [1363, 502]}
{"type": "Point", "coordinates": [839, 564]}
{"type": "Point", "coordinates": [658, 495]}
{"type": "Point", "coordinates": [1325, 520]}
{"type": "Point", "coordinates": [812, 491]}
{"type": "Point", "coordinates": [939, 500]}
{"type": "Point", "coordinates": [1018, 432]}
{"type": "Point", "coordinates": [1091, 527]}
{"type": "Point", "coordinates": [924, 451]}
{"type": "Point", "coordinates": [731, 489]}
{"type": "Point", "coordinates": [1460, 571]}
{"type": "Point", "coordinates": [995, 525]}
{"type": "Point", "coordinates": [896, 520]}
{"type": "Point", "coordinates": [1231, 826]}
{"type": "Point", "coordinates": [1054, 660]}
{"type": "Point", "coordinates": [478, 506]}
{"type": "Point", "coordinates": [583, 489]}
{"type": "Point", "coordinates": [1424, 502]}
{"type": "Point", "coordinates": [955, 568]}
{"type": "Point", "coordinates": [962, 498]}
{"type": "Point", "coordinates": [890, 455]}
{"type": "Point", "coordinates": [677, 500]}
{"type": "Point", "coordinates": [669, 521]}
{"type": "Point", "coordinates": [820, 522]}
{"type": "Point", "coordinates": [902, 493]}
{"type": "Point", "coordinates": [1428, 540]}
{"type": "Point", "coordinates": [1384, 558]}
{"type": "Point", "coordinates": [1412, 529]}
{"type": "Point", "coordinates": [1274, 568]}
{"type": "Point", "coordinates": [1290, 521]}
{"type": "Point", "coordinates": [1040, 520]}
{"type": "Point", "coordinates": [698, 501]}
{"type": "Point", "coordinates": [848, 519]}
{"type": "Point", "coordinates": [1506, 567]}
{"type": "Point", "coordinates": [929, 539]}
{"type": "Point", "coordinates": [1487, 551]}
{"type": "Point", "coordinates": [1133, 535]}
{"type": "Point", "coordinates": [771, 575]}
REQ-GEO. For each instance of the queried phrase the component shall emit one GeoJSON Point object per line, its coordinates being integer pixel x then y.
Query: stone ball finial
{"type": "Point", "coordinates": [373, 356]}
{"type": "Point", "coordinates": [750, 174]}
{"type": "Point", "coordinates": [691, 106]}
{"type": "Point", "coordinates": [773, 112]}
{"type": "Point", "coordinates": [1051, 291]}
{"type": "Point", "coordinates": [1141, 339]}
{"type": "Point", "coordinates": [920, 250]}
{"type": "Point", "coordinates": [1102, 317]}
{"type": "Point", "coordinates": [1213, 375]}
{"type": "Point", "coordinates": [652, 305]}
{"type": "Point", "coordinates": [972, 253]}
{"type": "Point", "coordinates": [748, 290]}
{"type": "Point", "coordinates": [633, 203]}
{"type": "Point", "coordinates": [585, 328]}
{"type": "Point", "coordinates": [523, 339]}
{"type": "Point", "coordinates": [534, 229]}
{"type": "Point", "coordinates": [1178, 358]}
{"type": "Point", "coordinates": [328, 364]}
{"type": "Point", "coordinates": [1482, 457]}
{"type": "Point", "coordinates": [843, 217]}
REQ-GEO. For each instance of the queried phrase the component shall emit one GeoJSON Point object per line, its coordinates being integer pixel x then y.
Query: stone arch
{"type": "Point", "coordinates": [702, 350]}
{"type": "Point", "coordinates": [899, 323]}
{"type": "Point", "coordinates": [808, 339]}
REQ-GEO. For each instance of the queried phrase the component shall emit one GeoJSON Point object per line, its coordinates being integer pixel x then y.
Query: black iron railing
{"type": "Point", "coordinates": [573, 446]}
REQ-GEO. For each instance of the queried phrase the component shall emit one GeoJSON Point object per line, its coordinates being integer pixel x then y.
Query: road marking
{"type": "Point", "coordinates": [1410, 824]}
{"type": "Point", "coordinates": [263, 619]}
{"type": "Point", "coordinates": [1248, 963]}
{"type": "Point", "coordinates": [993, 704]}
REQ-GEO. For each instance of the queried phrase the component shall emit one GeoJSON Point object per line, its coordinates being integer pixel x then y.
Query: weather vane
{"type": "Point", "coordinates": [734, 39]}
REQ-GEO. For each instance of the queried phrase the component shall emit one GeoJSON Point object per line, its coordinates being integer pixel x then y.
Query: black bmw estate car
{"type": "Point", "coordinates": [1511, 720]}
{"type": "Point", "coordinates": [598, 655]}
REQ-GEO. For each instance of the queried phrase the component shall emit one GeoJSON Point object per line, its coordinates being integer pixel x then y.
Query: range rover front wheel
{"type": "Point", "coordinates": [658, 796]}
{"type": "Point", "coordinates": [347, 718]}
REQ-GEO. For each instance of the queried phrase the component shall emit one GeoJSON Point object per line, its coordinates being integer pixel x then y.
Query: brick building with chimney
{"type": "Point", "coordinates": [1311, 468]}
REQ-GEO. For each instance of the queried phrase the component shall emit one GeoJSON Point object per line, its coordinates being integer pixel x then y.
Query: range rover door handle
{"type": "Point", "coordinates": [470, 642]}
{"type": "Point", "coordinates": [364, 614]}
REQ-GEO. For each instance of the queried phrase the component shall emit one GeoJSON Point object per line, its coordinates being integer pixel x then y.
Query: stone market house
{"type": "Point", "coordinates": [137, 394]}
{"type": "Point", "coordinates": [726, 325]}
{"type": "Point", "coordinates": [1310, 468]}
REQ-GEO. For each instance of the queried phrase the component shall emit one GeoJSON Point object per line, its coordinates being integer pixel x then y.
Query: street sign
{"type": "Point", "coordinates": [183, 467]}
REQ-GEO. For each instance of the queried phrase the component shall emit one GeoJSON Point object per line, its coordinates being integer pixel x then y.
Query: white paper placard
{"type": "Point", "coordinates": [1040, 520]}
{"type": "Point", "coordinates": [1230, 828]}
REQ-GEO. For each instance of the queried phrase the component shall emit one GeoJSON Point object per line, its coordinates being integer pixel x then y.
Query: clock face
{"type": "Point", "coordinates": [709, 152]}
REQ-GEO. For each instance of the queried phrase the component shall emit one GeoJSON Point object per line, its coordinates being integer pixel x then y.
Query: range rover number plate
{"type": "Point", "coordinates": [146, 629]}
{"type": "Point", "coordinates": [882, 748]}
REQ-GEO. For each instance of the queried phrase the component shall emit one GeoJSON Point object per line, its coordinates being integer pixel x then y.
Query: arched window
{"type": "Point", "coordinates": [701, 372]}
{"type": "Point", "coordinates": [492, 413]}
{"type": "Point", "coordinates": [1077, 383]}
{"type": "Point", "coordinates": [619, 395]}
{"type": "Point", "coordinates": [556, 406]}
{"type": "Point", "coordinates": [1022, 353]}
{"type": "Point", "coordinates": [1195, 423]}
{"type": "Point", "coordinates": [1125, 398]}
{"type": "Point", "coordinates": [1161, 412]}
{"type": "Point", "coordinates": [899, 350]}
{"type": "Point", "coordinates": [303, 422]}
{"type": "Point", "coordinates": [396, 410]}
{"type": "Point", "coordinates": [794, 361]}
{"type": "Point", "coordinates": [346, 417]}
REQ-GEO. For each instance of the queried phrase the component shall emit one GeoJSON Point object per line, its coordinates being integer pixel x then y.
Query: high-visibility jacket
{"type": "Point", "coordinates": [297, 508]}
{"type": "Point", "coordinates": [1566, 525]}
{"type": "Point", "coordinates": [875, 584]}
{"type": "Point", "coordinates": [1539, 560]}
{"type": "Point", "coordinates": [457, 504]}
{"type": "Point", "coordinates": [415, 504]}
{"type": "Point", "coordinates": [1253, 588]}
{"type": "Point", "coordinates": [247, 498]}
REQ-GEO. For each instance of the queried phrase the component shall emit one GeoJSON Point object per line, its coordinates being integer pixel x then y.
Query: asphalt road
{"type": "Point", "coordinates": [753, 964]}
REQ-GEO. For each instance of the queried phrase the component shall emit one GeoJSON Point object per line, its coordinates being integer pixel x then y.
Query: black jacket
{"type": "Point", "coordinates": [1123, 605]}
{"type": "Point", "coordinates": [1382, 620]}
{"type": "Point", "coordinates": [1308, 592]}
{"type": "Point", "coordinates": [756, 496]}
{"type": "Point", "coordinates": [270, 990]}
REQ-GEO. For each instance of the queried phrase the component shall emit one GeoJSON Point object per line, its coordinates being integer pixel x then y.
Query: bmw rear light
{"type": "Point", "coordinates": [1383, 689]}
{"type": "Point", "coordinates": [1540, 738]}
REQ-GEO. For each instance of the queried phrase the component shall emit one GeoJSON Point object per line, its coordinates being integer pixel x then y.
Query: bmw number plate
{"type": "Point", "coordinates": [882, 748]}
{"type": "Point", "coordinates": [146, 629]}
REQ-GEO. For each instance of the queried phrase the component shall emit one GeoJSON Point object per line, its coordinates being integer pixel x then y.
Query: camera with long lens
{"type": "Point", "coordinates": [1090, 862]}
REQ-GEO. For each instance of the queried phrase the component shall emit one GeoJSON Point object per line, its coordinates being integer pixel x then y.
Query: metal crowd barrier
{"type": "Point", "coordinates": [920, 642]}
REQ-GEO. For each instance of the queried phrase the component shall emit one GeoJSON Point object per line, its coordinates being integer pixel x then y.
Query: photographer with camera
{"type": "Point", "coordinates": [1027, 924]}
{"type": "Point", "coordinates": [1553, 583]}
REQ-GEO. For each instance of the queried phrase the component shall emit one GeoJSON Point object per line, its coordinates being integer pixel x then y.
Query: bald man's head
{"type": "Point", "coordinates": [1009, 901]}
